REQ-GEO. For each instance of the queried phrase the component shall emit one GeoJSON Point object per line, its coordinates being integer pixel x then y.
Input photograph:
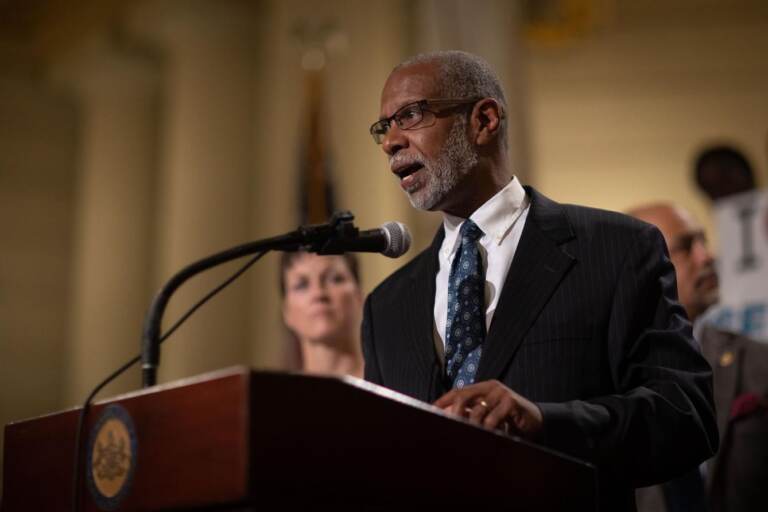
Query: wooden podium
{"type": "Point", "coordinates": [240, 440]}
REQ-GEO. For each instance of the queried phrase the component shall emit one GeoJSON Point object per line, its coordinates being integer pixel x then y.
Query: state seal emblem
{"type": "Point", "coordinates": [111, 457]}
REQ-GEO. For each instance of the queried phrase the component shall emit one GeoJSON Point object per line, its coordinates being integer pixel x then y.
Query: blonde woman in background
{"type": "Point", "coordinates": [322, 308]}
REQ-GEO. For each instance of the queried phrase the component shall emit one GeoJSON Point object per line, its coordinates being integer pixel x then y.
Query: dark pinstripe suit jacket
{"type": "Point", "coordinates": [588, 327]}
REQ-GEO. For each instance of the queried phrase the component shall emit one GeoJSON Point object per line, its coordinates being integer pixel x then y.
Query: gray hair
{"type": "Point", "coordinates": [463, 75]}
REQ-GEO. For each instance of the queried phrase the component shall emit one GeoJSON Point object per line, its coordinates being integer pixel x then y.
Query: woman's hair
{"type": "Point", "coordinates": [287, 259]}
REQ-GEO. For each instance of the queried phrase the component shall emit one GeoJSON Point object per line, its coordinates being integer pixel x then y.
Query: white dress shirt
{"type": "Point", "coordinates": [501, 219]}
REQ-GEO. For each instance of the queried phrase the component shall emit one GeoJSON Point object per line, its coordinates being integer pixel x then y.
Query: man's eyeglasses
{"type": "Point", "coordinates": [685, 242]}
{"type": "Point", "coordinates": [410, 115]}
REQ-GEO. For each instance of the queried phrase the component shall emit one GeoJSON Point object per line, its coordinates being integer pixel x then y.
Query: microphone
{"type": "Point", "coordinates": [392, 239]}
{"type": "Point", "coordinates": [334, 237]}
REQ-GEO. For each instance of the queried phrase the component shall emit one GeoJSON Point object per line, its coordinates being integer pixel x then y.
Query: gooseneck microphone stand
{"type": "Point", "coordinates": [330, 238]}
{"type": "Point", "coordinates": [319, 238]}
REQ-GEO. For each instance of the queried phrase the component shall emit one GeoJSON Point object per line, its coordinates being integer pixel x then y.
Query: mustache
{"type": "Point", "coordinates": [705, 275]}
{"type": "Point", "coordinates": [400, 159]}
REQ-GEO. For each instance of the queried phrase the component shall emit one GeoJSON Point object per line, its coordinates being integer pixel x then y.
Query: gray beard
{"type": "Point", "coordinates": [456, 160]}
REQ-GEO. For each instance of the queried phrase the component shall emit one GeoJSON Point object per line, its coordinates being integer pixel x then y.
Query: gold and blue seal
{"type": "Point", "coordinates": [111, 462]}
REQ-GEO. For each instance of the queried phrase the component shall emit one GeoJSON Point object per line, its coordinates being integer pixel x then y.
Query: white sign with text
{"type": "Point", "coordinates": [742, 227]}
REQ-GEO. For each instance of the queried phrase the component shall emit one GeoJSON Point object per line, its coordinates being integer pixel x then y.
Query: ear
{"type": "Point", "coordinates": [486, 121]}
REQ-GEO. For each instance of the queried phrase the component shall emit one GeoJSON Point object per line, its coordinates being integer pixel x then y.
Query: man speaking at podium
{"type": "Point", "coordinates": [556, 322]}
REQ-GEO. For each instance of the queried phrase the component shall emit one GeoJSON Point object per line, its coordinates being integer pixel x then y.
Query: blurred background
{"type": "Point", "coordinates": [138, 136]}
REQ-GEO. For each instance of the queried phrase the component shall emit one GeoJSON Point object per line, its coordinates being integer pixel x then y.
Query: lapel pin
{"type": "Point", "coordinates": [726, 359]}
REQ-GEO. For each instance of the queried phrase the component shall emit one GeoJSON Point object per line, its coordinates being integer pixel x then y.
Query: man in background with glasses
{"type": "Point", "coordinates": [553, 322]}
{"type": "Point", "coordinates": [736, 478]}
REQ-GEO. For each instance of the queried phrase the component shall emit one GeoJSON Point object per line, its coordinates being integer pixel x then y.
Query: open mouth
{"type": "Point", "coordinates": [406, 171]}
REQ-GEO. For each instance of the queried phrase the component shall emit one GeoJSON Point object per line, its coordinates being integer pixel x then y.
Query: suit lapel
{"type": "Point", "coordinates": [538, 267]}
{"type": "Point", "coordinates": [419, 313]}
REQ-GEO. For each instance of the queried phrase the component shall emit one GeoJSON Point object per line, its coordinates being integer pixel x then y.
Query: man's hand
{"type": "Point", "coordinates": [493, 405]}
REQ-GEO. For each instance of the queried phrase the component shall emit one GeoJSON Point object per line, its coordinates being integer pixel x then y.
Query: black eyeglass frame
{"type": "Point", "coordinates": [386, 122]}
{"type": "Point", "coordinates": [684, 244]}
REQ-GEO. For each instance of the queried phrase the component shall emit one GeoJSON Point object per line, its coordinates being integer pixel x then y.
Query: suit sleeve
{"type": "Point", "coordinates": [371, 372]}
{"type": "Point", "coordinates": [660, 421]}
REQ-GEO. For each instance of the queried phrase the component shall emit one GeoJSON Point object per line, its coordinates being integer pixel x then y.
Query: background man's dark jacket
{"type": "Point", "coordinates": [737, 477]}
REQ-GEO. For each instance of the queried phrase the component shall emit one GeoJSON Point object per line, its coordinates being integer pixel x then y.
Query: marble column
{"type": "Point", "coordinates": [115, 194]}
{"type": "Point", "coordinates": [359, 55]}
{"type": "Point", "coordinates": [206, 172]}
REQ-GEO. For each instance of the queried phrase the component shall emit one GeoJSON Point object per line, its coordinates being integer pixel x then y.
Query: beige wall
{"type": "Point", "coordinates": [609, 119]}
{"type": "Point", "coordinates": [618, 116]}
{"type": "Point", "coordinates": [38, 127]}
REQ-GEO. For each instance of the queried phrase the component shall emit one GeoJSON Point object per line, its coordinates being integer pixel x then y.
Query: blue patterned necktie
{"type": "Point", "coordinates": [465, 329]}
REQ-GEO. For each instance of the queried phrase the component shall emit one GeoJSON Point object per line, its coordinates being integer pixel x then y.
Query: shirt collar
{"type": "Point", "coordinates": [495, 217]}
